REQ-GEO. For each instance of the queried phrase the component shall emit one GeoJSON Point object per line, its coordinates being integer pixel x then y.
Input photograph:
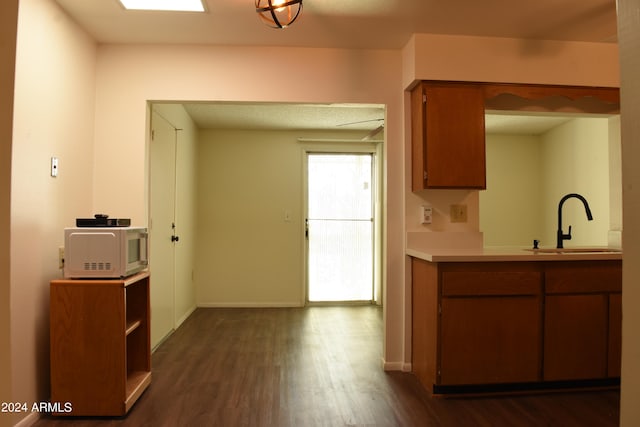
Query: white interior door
{"type": "Point", "coordinates": [340, 228]}
{"type": "Point", "coordinates": [162, 226]}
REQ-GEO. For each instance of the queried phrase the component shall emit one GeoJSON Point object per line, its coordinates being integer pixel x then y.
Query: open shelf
{"type": "Point", "coordinates": [137, 382]}
{"type": "Point", "coordinates": [132, 326]}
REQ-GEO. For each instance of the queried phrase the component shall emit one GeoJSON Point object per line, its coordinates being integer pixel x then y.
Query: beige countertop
{"type": "Point", "coordinates": [484, 254]}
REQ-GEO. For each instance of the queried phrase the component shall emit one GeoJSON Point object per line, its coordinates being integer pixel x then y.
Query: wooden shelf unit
{"type": "Point", "coordinates": [100, 344]}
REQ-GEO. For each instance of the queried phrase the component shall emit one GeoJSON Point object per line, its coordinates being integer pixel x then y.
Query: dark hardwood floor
{"type": "Point", "coordinates": [318, 366]}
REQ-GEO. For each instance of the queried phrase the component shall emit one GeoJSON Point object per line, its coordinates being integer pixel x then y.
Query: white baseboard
{"type": "Point", "coordinates": [29, 420]}
{"type": "Point", "coordinates": [396, 366]}
{"type": "Point", "coordinates": [248, 304]}
{"type": "Point", "coordinates": [186, 316]}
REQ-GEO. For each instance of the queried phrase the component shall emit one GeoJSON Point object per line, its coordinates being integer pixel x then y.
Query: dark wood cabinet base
{"type": "Point", "coordinates": [524, 388]}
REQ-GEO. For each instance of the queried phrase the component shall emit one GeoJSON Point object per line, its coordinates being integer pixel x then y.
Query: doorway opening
{"type": "Point", "coordinates": [340, 227]}
{"type": "Point", "coordinates": [241, 179]}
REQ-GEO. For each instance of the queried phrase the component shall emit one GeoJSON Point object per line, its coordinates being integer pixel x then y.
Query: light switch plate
{"type": "Point", "coordinates": [54, 167]}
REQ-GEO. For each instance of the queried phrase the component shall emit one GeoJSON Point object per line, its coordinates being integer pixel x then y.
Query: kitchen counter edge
{"type": "Point", "coordinates": [506, 255]}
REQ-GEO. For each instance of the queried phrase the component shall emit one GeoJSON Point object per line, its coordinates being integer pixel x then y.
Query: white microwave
{"type": "Point", "coordinates": [105, 252]}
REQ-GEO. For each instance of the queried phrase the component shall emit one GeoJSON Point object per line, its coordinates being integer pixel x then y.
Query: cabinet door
{"type": "Point", "coordinates": [448, 136]}
{"type": "Point", "coordinates": [488, 340]}
{"type": "Point", "coordinates": [575, 340]}
{"type": "Point", "coordinates": [615, 335]}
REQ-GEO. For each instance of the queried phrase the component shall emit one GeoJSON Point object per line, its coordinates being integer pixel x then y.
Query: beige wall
{"type": "Point", "coordinates": [8, 25]}
{"type": "Point", "coordinates": [53, 116]}
{"type": "Point", "coordinates": [491, 59]}
{"type": "Point", "coordinates": [248, 255]}
{"type": "Point", "coordinates": [575, 159]}
{"type": "Point", "coordinates": [629, 39]}
{"type": "Point", "coordinates": [512, 206]}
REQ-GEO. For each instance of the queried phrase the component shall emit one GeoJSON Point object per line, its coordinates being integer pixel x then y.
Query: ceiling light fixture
{"type": "Point", "coordinates": [278, 13]}
{"type": "Point", "coordinates": [169, 5]}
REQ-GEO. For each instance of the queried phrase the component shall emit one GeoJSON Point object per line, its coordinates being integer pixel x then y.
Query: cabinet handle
{"type": "Point", "coordinates": [175, 238]}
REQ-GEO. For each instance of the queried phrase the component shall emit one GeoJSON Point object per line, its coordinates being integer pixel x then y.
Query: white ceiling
{"type": "Point", "coordinates": [380, 24]}
{"type": "Point", "coordinates": [353, 24]}
{"type": "Point", "coordinates": [521, 124]}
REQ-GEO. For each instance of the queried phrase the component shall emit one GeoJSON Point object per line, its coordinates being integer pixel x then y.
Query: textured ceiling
{"type": "Point", "coordinates": [226, 115]}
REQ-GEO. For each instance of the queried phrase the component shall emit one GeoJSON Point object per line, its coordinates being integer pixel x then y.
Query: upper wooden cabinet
{"type": "Point", "coordinates": [448, 131]}
{"type": "Point", "coordinates": [448, 136]}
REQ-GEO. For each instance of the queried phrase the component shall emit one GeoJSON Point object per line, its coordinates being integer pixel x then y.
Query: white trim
{"type": "Point", "coordinates": [377, 154]}
{"type": "Point", "coordinates": [162, 340]}
{"type": "Point", "coordinates": [342, 141]}
{"type": "Point", "coordinates": [396, 366]}
{"type": "Point", "coordinates": [29, 420]}
{"type": "Point", "coordinates": [249, 304]}
{"type": "Point", "coordinates": [391, 366]}
{"type": "Point", "coordinates": [181, 320]}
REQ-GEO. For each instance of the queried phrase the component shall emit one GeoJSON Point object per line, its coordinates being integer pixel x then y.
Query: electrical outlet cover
{"type": "Point", "coordinates": [458, 213]}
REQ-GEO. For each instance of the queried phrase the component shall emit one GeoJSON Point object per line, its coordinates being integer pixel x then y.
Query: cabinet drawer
{"type": "Point", "coordinates": [479, 283]}
{"type": "Point", "coordinates": [583, 277]}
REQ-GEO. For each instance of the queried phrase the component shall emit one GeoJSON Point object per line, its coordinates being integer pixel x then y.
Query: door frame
{"type": "Point", "coordinates": [347, 147]}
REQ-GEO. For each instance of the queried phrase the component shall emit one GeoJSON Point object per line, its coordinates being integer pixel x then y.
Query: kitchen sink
{"type": "Point", "coordinates": [572, 250]}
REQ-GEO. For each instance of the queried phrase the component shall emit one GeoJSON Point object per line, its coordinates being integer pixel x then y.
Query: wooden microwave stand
{"type": "Point", "coordinates": [100, 344]}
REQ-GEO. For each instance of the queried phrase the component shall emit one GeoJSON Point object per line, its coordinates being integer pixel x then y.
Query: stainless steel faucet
{"type": "Point", "coordinates": [561, 236]}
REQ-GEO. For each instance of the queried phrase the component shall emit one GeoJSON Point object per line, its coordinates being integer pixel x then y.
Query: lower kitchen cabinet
{"type": "Point", "coordinates": [487, 340]}
{"type": "Point", "coordinates": [583, 320]}
{"type": "Point", "coordinates": [575, 338]}
{"type": "Point", "coordinates": [487, 328]}
{"type": "Point", "coordinates": [500, 326]}
{"type": "Point", "coordinates": [100, 344]}
{"type": "Point", "coordinates": [615, 335]}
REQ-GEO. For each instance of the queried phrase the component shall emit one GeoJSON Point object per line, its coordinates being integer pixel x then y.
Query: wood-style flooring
{"type": "Point", "coordinates": [316, 366]}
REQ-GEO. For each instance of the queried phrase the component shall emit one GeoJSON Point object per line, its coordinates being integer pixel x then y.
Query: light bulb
{"type": "Point", "coordinates": [278, 3]}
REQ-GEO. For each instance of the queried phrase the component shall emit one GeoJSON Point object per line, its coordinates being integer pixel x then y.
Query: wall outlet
{"type": "Point", "coordinates": [61, 257]}
{"type": "Point", "coordinates": [426, 214]}
{"type": "Point", "coordinates": [458, 213]}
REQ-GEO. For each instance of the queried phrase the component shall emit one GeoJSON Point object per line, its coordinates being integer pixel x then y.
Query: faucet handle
{"type": "Point", "coordinates": [568, 235]}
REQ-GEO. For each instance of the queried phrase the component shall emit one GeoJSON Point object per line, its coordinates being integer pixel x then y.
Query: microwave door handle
{"type": "Point", "coordinates": [144, 248]}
